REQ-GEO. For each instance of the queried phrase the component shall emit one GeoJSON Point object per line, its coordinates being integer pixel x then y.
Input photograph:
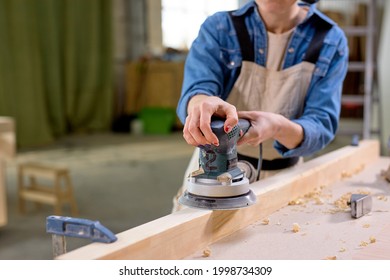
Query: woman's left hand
{"type": "Point", "coordinates": [267, 125]}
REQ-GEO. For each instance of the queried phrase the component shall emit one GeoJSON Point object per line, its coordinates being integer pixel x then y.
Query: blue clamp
{"type": "Point", "coordinates": [81, 228]}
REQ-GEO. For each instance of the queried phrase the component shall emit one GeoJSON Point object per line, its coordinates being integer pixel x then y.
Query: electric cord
{"type": "Point", "coordinates": [260, 161]}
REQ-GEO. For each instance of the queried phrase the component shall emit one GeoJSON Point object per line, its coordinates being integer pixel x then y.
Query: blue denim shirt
{"type": "Point", "coordinates": [212, 67]}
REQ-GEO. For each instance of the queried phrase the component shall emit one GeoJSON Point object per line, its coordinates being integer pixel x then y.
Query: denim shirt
{"type": "Point", "coordinates": [214, 60]}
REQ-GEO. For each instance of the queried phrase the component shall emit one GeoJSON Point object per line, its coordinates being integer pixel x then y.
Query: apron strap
{"type": "Point", "coordinates": [312, 53]}
{"type": "Point", "coordinates": [314, 49]}
{"type": "Point", "coordinates": [246, 46]}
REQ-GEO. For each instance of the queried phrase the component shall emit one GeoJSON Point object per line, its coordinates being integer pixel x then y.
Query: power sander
{"type": "Point", "coordinates": [219, 184]}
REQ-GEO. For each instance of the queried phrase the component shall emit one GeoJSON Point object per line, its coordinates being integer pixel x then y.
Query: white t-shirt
{"type": "Point", "coordinates": [277, 44]}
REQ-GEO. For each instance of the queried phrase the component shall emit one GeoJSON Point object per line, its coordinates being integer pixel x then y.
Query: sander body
{"type": "Point", "coordinates": [219, 184]}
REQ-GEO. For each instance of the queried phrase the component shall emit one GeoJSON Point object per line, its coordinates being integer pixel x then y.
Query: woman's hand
{"type": "Point", "coordinates": [201, 108]}
{"type": "Point", "coordinates": [266, 125]}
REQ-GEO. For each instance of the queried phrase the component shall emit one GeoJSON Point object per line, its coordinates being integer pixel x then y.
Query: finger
{"type": "Point", "coordinates": [194, 131]}
{"type": "Point", "coordinates": [244, 139]}
{"type": "Point", "coordinates": [245, 115]}
{"type": "Point", "coordinates": [231, 117]}
{"type": "Point", "coordinates": [205, 128]}
{"type": "Point", "coordinates": [186, 134]}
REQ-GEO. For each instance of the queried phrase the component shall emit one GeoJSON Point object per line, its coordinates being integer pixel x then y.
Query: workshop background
{"type": "Point", "coordinates": [91, 87]}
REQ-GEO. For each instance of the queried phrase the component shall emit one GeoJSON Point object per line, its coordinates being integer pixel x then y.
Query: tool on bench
{"type": "Point", "coordinates": [360, 204]}
{"type": "Point", "coordinates": [219, 184]}
{"type": "Point", "coordinates": [60, 227]}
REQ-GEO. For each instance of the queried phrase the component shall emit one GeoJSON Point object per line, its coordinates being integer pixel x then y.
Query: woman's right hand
{"type": "Point", "coordinates": [200, 109]}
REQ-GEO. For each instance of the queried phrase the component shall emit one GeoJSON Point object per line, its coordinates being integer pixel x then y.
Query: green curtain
{"type": "Point", "coordinates": [56, 67]}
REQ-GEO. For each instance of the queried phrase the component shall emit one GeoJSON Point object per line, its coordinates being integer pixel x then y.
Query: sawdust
{"type": "Point", "coordinates": [331, 258]}
{"type": "Point", "coordinates": [265, 221]}
{"type": "Point", "coordinates": [371, 240]}
{"type": "Point", "coordinates": [297, 201]}
{"type": "Point", "coordinates": [315, 196]}
{"type": "Point", "coordinates": [342, 249]}
{"type": "Point", "coordinates": [382, 197]}
{"type": "Point", "coordinates": [206, 253]}
{"type": "Point", "coordinates": [366, 225]}
{"type": "Point", "coordinates": [346, 174]}
{"type": "Point", "coordinates": [341, 204]}
{"type": "Point", "coordinates": [296, 228]}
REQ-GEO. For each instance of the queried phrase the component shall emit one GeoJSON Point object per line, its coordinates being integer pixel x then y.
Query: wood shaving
{"type": "Point", "coordinates": [206, 253]}
{"type": "Point", "coordinates": [315, 196]}
{"type": "Point", "coordinates": [386, 174]}
{"type": "Point", "coordinates": [341, 204]}
{"type": "Point", "coordinates": [363, 244]}
{"type": "Point", "coordinates": [318, 201]}
{"type": "Point", "coordinates": [382, 197]}
{"type": "Point", "coordinates": [265, 221]}
{"type": "Point", "coordinates": [331, 258]}
{"type": "Point", "coordinates": [345, 174]}
{"type": "Point", "coordinates": [358, 169]}
{"type": "Point", "coordinates": [298, 201]}
{"type": "Point", "coordinates": [342, 250]}
{"type": "Point", "coordinates": [296, 227]}
{"type": "Point", "coordinates": [366, 225]}
{"type": "Point", "coordinates": [372, 239]}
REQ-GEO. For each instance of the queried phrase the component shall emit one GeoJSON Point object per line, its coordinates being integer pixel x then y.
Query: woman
{"type": "Point", "coordinates": [278, 63]}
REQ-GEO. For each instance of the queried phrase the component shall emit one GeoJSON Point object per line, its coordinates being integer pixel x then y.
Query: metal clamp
{"type": "Point", "coordinates": [75, 227]}
{"type": "Point", "coordinates": [360, 204]}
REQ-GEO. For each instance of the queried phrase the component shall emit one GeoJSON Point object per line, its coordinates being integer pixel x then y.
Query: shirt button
{"type": "Point", "coordinates": [291, 50]}
{"type": "Point", "coordinates": [261, 51]}
{"type": "Point", "coordinates": [232, 63]}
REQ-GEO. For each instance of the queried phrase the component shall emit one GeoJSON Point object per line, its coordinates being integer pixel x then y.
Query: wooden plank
{"type": "Point", "coordinates": [3, 198]}
{"type": "Point", "coordinates": [177, 235]}
{"type": "Point", "coordinates": [39, 196]}
{"type": "Point", "coordinates": [40, 170]}
{"type": "Point", "coordinates": [326, 228]}
{"type": "Point", "coordinates": [7, 138]}
{"type": "Point", "coordinates": [7, 151]}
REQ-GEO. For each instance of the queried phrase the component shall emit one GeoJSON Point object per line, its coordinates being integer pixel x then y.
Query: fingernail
{"type": "Point", "coordinates": [216, 144]}
{"type": "Point", "coordinates": [228, 128]}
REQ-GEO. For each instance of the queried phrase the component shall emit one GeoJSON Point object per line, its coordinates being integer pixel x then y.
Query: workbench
{"type": "Point", "coordinates": [318, 225]}
{"type": "Point", "coordinates": [301, 213]}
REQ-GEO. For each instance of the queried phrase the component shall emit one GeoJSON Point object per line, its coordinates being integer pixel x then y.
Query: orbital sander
{"type": "Point", "coordinates": [219, 184]}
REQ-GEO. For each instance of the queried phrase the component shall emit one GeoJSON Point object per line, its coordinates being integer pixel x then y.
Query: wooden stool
{"type": "Point", "coordinates": [58, 194]}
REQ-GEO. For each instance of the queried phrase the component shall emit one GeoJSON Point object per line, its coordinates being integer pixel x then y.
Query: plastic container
{"type": "Point", "coordinates": [157, 120]}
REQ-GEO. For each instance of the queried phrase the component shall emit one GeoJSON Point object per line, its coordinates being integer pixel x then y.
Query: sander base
{"type": "Point", "coordinates": [218, 203]}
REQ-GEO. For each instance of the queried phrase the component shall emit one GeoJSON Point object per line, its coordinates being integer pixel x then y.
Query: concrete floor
{"type": "Point", "coordinates": [119, 179]}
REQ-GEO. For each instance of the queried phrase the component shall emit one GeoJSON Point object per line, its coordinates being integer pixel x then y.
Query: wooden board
{"type": "Point", "coordinates": [3, 196]}
{"type": "Point", "coordinates": [180, 234]}
{"type": "Point", "coordinates": [7, 151]}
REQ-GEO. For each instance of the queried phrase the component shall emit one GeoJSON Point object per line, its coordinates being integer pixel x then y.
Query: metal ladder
{"type": "Point", "coordinates": [371, 95]}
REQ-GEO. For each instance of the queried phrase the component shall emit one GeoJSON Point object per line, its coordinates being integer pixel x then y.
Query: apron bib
{"type": "Point", "coordinates": [282, 92]}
